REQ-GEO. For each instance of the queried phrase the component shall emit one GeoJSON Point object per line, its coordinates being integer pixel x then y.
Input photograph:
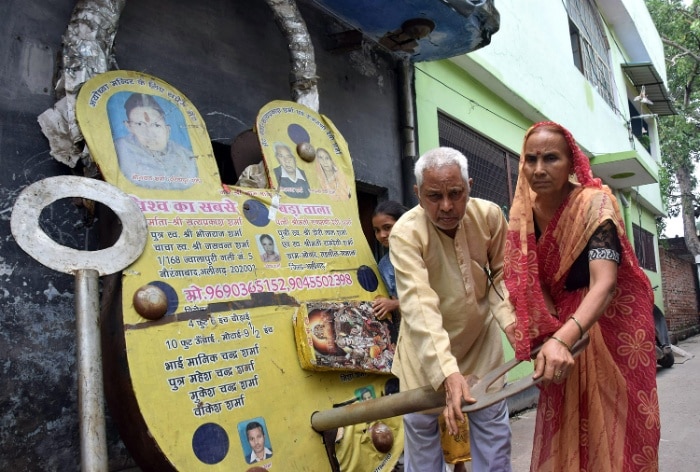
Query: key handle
{"type": "Point", "coordinates": [35, 242]}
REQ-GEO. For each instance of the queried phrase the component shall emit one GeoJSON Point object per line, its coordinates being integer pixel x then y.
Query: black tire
{"type": "Point", "coordinates": [667, 361]}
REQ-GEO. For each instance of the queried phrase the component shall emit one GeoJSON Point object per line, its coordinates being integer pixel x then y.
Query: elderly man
{"type": "Point", "coordinates": [292, 180]}
{"type": "Point", "coordinates": [448, 257]}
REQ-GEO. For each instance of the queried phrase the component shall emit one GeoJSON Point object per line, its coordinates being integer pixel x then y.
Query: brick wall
{"type": "Point", "coordinates": [679, 280]}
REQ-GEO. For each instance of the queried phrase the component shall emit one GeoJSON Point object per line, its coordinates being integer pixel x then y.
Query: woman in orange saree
{"type": "Point", "coordinates": [570, 270]}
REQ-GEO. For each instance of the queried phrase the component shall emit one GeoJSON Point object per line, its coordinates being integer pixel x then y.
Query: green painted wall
{"type": "Point", "coordinates": [443, 86]}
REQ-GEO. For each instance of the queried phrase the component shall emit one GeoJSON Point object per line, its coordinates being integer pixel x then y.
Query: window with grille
{"type": "Point", "coordinates": [644, 247]}
{"type": "Point", "coordinates": [493, 168]}
{"type": "Point", "coordinates": [590, 47]}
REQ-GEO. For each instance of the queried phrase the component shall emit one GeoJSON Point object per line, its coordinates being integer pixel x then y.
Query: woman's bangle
{"type": "Point", "coordinates": [580, 328]}
{"type": "Point", "coordinates": [560, 341]}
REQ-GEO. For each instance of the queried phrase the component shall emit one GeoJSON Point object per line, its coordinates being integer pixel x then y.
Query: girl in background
{"type": "Point", "coordinates": [383, 219]}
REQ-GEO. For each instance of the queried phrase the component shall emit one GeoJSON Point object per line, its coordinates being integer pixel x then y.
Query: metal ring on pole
{"type": "Point", "coordinates": [32, 239]}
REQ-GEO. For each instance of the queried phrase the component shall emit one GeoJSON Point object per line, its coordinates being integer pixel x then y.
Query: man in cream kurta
{"type": "Point", "coordinates": [444, 252]}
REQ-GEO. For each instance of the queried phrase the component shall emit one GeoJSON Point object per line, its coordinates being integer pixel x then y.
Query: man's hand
{"type": "Point", "coordinates": [456, 390]}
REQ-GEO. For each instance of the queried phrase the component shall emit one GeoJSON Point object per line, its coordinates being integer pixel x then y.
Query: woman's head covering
{"type": "Point", "coordinates": [582, 166]}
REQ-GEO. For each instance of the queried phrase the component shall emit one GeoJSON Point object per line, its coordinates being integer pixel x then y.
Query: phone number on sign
{"type": "Point", "coordinates": [276, 284]}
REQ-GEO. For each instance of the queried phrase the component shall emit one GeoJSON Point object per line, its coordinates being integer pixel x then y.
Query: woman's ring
{"type": "Point", "coordinates": [557, 374]}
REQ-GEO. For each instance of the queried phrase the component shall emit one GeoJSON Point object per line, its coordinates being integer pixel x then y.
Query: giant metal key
{"type": "Point", "coordinates": [87, 267]}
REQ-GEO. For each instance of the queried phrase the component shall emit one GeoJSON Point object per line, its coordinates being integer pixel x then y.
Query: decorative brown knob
{"type": "Point", "coordinates": [382, 437]}
{"type": "Point", "coordinates": [306, 151]}
{"type": "Point", "coordinates": [150, 302]}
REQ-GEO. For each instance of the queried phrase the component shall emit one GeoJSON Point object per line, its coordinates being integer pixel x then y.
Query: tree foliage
{"type": "Point", "coordinates": [678, 24]}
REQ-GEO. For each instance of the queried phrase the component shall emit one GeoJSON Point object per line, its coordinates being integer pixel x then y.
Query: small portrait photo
{"type": "Point", "coordinates": [151, 141]}
{"type": "Point", "coordinates": [255, 440]}
{"type": "Point", "coordinates": [365, 393]}
{"type": "Point", "coordinates": [331, 178]}
{"type": "Point", "coordinates": [291, 179]}
{"type": "Point", "coordinates": [268, 249]}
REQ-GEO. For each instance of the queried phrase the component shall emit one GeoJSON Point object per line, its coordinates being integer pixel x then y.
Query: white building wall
{"type": "Point", "coordinates": [529, 63]}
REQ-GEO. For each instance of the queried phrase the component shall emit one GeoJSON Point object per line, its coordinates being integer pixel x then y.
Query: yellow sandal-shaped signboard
{"type": "Point", "coordinates": [250, 308]}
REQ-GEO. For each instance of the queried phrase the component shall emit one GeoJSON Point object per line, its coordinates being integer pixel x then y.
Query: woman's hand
{"type": "Point", "coordinates": [553, 363]}
{"type": "Point", "coordinates": [383, 306]}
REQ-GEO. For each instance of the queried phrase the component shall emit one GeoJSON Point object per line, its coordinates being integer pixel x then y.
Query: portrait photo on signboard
{"type": "Point", "coordinates": [255, 440]}
{"type": "Point", "coordinates": [151, 141]}
{"type": "Point", "coordinates": [365, 393]}
{"type": "Point", "coordinates": [268, 248]}
{"type": "Point", "coordinates": [291, 179]}
{"type": "Point", "coordinates": [331, 179]}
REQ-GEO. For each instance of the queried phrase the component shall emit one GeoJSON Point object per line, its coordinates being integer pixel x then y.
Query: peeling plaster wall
{"type": "Point", "coordinates": [229, 59]}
